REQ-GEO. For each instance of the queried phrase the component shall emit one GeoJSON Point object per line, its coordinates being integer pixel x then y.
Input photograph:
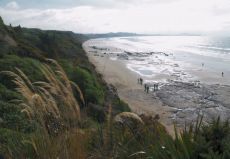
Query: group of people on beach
{"type": "Point", "coordinates": [147, 86]}
{"type": "Point", "coordinates": [155, 85]}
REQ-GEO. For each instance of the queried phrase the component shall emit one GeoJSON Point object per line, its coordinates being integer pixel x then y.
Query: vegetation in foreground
{"type": "Point", "coordinates": [67, 111]}
{"type": "Point", "coordinates": [59, 128]}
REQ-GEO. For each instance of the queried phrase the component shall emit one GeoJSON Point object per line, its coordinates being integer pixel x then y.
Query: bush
{"type": "Point", "coordinates": [27, 65]}
{"type": "Point", "coordinates": [96, 112]}
{"type": "Point", "coordinates": [120, 106]}
{"type": "Point", "coordinates": [7, 95]}
{"type": "Point", "coordinates": [13, 143]}
{"type": "Point", "coordinates": [13, 119]}
{"type": "Point", "coordinates": [92, 90]}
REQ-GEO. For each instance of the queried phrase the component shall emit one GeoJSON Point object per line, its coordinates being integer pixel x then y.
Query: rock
{"type": "Point", "coordinates": [188, 100]}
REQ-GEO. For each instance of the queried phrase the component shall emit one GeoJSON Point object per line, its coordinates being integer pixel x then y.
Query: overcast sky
{"type": "Point", "coordinates": [141, 16]}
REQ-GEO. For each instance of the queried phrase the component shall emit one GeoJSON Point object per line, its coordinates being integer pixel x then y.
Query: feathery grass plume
{"type": "Point", "coordinates": [129, 120]}
{"type": "Point", "coordinates": [60, 87]}
{"type": "Point", "coordinates": [137, 154]}
{"type": "Point", "coordinates": [33, 102]}
{"type": "Point", "coordinates": [79, 91]}
{"type": "Point", "coordinates": [52, 105]}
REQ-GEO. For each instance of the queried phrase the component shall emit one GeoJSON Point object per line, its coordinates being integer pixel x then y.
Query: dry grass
{"type": "Point", "coordinates": [51, 103]}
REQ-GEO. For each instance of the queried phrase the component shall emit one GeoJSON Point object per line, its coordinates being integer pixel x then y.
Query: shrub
{"type": "Point", "coordinates": [96, 112]}
{"type": "Point", "coordinates": [120, 106]}
{"type": "Point", "coordinates": [13, 119]}
{"type": "Point", "coordinates": [7, 95]}
{"type": "Point", "coordinates": [53, 106]}
{"type": "Point", "coordinates": [92, 90]}
{"type": "Point", "coordinates": [12, 145]}
{"type": "Point", "coordinates": [27, 65]}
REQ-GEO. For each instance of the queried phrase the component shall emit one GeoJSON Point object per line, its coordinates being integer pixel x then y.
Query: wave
{"type": "Point", "coordinates": [212, 48]}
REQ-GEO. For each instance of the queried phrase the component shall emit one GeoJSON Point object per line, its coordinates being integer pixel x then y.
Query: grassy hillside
{"type": "Point", "coordinates": [27, 49]}
{"type": "Point", "coordinates": [63, 109]}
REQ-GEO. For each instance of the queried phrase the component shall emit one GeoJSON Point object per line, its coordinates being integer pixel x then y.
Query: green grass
{"type": "Point", "coordinates": [56, 132]}
{"type": "Point", "coordinates": [28, 127]}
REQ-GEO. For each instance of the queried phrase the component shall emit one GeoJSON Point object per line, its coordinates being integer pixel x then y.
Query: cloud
{"type": "Point", "coordinates": [119, 3]}
{"type": "Point", "coordinates": [148, 17]}
{"type": "Point", "coordinates": [223, 7]}
{"type": "Point", "coordinates": [48, 4]}
{"type": "Point", "coordinates": [12, 5]}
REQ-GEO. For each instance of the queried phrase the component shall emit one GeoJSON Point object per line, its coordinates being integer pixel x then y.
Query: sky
{"type": "Point", "coordinates": [139, 16]}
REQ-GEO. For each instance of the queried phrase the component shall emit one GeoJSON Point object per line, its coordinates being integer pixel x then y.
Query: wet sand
{"type": "Point", "coordinates": [175, 102]}
{"type": "Point", "coordinates": [116, 73]}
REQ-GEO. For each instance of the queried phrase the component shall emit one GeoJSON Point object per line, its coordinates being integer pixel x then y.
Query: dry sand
{"type": "Point", "coordinates": [115, 72]}
{"type": "Point", "coordinates": [176, 102]}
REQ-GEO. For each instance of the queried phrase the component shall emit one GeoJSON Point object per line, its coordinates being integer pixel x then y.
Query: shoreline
{"type": "Point", "coordinates": [117, 74]}
{"type": "Point", "coordinates": [175, 102]}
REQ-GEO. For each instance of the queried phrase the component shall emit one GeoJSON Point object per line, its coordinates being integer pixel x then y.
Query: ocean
{"type": "Point", "coordinates": [184, 58]}
{"type": "Point", "coordinates": [188, 70]}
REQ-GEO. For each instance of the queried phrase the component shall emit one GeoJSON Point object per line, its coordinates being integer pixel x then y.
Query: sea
{"type": "Point", "coordinates": [185, 58]}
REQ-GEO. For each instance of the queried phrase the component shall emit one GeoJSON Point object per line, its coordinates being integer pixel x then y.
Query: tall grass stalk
{"type": "Point", "coordinates": [51, 103]}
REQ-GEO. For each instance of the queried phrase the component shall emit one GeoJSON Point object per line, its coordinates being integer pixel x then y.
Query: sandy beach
{"type": "Point", "coordinates": [175, 102]}
{"type": "Point", "coordinates": [116, 73]}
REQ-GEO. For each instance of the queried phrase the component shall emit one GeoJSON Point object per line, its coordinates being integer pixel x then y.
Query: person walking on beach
{"type": "Point", "coordinates": [141, 81]}
{"type": "Point", "coordinates": [222, 74]}
{"type": "Point", "coordinates": [147, 89]}
{"type": "Point", "coordinates": [157, 87]}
